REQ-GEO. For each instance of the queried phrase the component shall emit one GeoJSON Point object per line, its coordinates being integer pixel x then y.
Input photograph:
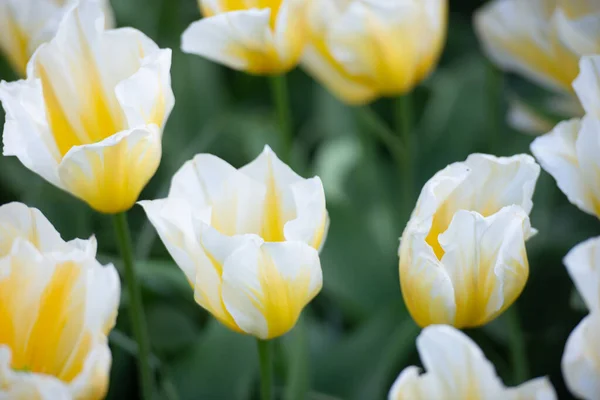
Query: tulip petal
{"type": "Point", "coordinates": [235, 199]}
{"type": "Point", "coordinates": [241, 40]}
{"type": "Point", "coordinates": [520, 36]}
{"type": "Point", "coordinates": [583, 264]}
{"type": "Point", "coordinates": [110, 175]}
{"type": "Point", "coordinates": [557, 153]}
{"type": "Point", "coordinates": [289, 34]}
{"type": "Point", "coordinates": [491, 252]}
{"type": "Point", "coordinates": [581, 359]}
{"type": "Point", "coordinates": [579, 34]}
{"type": "Point", "coordinates": [266, 287]}
{"type": "Point", "coordinates": [26, 133]}
{"type": "Point", "coordinates": [19, 221]}
{"type": "Point", "coordinates": [525, 119]}
{"type": "Point", "coordinates": [535, 389]}
{"type": "Point", "coordinates": [587, 85]}
{"type": "Point", "coordinates": [146, 97]}
{"type": "Point", "coordinates": [294, 208]}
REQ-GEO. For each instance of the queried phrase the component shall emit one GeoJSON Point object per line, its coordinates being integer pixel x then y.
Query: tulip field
{"type": "Point", "coordinates": [300, 199]}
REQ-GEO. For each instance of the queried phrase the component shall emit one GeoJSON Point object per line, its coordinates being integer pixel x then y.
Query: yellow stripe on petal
{"type": "Point", "coordinates": [110, 176]}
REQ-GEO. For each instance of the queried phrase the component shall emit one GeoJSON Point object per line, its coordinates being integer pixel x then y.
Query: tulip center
{"type": "Point", "coordinates": [43, 319]}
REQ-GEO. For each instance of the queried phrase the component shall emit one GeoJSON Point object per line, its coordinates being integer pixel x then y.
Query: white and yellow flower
{"type": "Point", "coordinates": [25, 24]}
{"type": "Point", "coordinates": [462, 254]}
{"type": "Point", "coordinates": [260, 37]}
{"type": "Point", "coordinates": [90, 114]}
{"type": "Point", "coordinates": [361, 50]}
{"type": "Point", "coordinates": [581, 359]}
{"type": "Point", "coordinates": [457, 369]}
{"type": "Point", "coordinates": [540, 39]}
{"type": "Point", "coordinates": [570, 152]}
{"type": "Point", "coordinates": [57, 305]}
{"type": "Point", "coordinates": [247, 240]}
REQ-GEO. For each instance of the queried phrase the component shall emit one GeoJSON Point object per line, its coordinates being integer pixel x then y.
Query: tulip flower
{"type": "Point", "coordinates": [247, 240]}
{"type": "Point", "coordinates": [462, 254]}
{"type": "Point", "coordinates": [57, 305]}
{"type": "Point", "coordinates": [89, 116]}
{"type": "Point", "coordinates": [581, 359]}
{"type": "Point", "coordinates": [259, 38]}
{"type": "Point", "coordinates": [457, 369]}
{"type": "Point", "coordinates": [540, 39]}
{"type": "Point", "coordinates": [570, 151]}
{"type": "Point", "coordinates": [25, 24]}
{"type": "Point", "coordinates": [361, 50]}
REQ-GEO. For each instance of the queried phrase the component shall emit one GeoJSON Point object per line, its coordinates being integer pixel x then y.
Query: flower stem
{"type": "Point", "coordinates": [279, 92]}
{"type": "Point", "coordinates": [403, 117]}
{"type": "Point", "coordinates": [518, 355]}
{"type": "Point", "coordinates": [265, 355]}
{"type": "Point", "coordinates": [136, 309]}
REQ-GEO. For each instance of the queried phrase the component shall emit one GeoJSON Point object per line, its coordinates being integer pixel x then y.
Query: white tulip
{"type": "Point", "coordinates": [89, 116]}
{"type": "Point", "coordinates": [247, 240]}
{"type": "Point", "coordinates": [570, 151]}
{"type": "Point", "coordinates": [457, 369]}
{"type": "Point", "coordinates": [57, 305]}
{"type": "Point", "coordinates": [256, 37]}
{"type": "Point", "coordinates": [25, 24]}
{"type": "Point", "coordinates": [581, 359]}
{"type": "Point", "coordinates": [462, 255]}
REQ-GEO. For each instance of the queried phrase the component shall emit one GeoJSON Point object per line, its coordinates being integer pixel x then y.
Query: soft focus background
{"type": "Point", "coordinates": [356, 336]}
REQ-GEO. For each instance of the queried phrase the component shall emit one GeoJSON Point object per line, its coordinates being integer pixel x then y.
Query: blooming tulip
{"type": "Point", "coordinates": [540, 39]}
{"type": "Point", "coordinates": [361, 50]}
{"type": "Point", "coordinates": [462, 254]}
{"type": "Point", "coordinates": [247, 240]}
{"type": "Point", "coordinates": [57, 305]}
{"type": "Point", "coordinates": [257, 37]}
{"type": "Point", "coordinates": [570, 152]}
{"type": "Point", "coordinates": [581, 359]}
{"type": "Point", "coordinates": [25, 24]}
{"type": "Point", "coordinates": [89, 116]}
{"type": "Point", "coordinates": [457, 369]}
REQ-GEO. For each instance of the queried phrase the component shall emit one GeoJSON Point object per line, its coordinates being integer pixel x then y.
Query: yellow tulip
{"type": "Point", "coordinates": [57, 305]}
{"type": "Point", "coordinates": [262, 37]}
{"type": "Point", "coordinates": [25, 24]}
{"type": "Point", "coordinates": [361, 50]}
{"type": "Point", "coordinates": [462, 255]}
{"type": "Point", "coordinates": [90, 114]}
{"type": "Point", "coordinates": [247, 240]}
{"type": "Point", "coordinates": [540, 39]}
{"type": "Point", "coordinates": [456, 368]}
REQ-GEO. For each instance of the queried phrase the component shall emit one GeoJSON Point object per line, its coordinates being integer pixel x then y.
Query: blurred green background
{"type": "Point", "coordinates": [356, 336]}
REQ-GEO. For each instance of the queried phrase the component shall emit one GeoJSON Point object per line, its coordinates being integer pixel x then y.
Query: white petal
{"type": "Point", "coordinates": [410, 386]}
{"type": "Point", "coordinates": [19, 221]}
{"type": "Point", "coordinates": [290, 30]}
{"type": "Point", "coordinates": [587, 84]}
{"type": "Point", "coordinates": [486, 261]}
{"type": "Point", "coordinates": [535, 389]}
{"type": "Point", "coordinates": [583, 264]}
{"type": "Point", "coordinates": [519, 36]}
{"type": "Point", "coordinates": [26, 132]}
{"type": "Point", "coordinates": [311, 222]}
{"type": "Point", "coordinates": [146, 96]}
{"type": "Point", "coordinates": [581, 359]}
{"type": "Point", "coordinates": [241, 40]}
{"type": "Point", "coordinates": [580, 34]}
{"type": "Point", "coordinates": [236, 200]}
{"type": "Point", "coordinates": [557, 153]}
{"type": "Point", "coordinates": [174, 219]}
{"type": "Point", "coordinates": [92, 382]}
{"type": "Point", "coordinates": [457, 364]}
{"type": "Point", "coordinates": [110, 175]}
{"type": "Point", "coordinates": [266, 287]}
{"type": "Point", "coordinates": [525, 119]}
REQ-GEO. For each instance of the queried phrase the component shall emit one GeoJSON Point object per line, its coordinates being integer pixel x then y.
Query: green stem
{"type": "Point", "coordinates": [518, 354]}
{"type": "Point", "coordinates": [281, 98]}
{"type": "Point", "coordinates": [265, 355]}
{"type": "Point", "coordinates": [403, 117]}
{"type": "Point", "coordinates": [136, 310]}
